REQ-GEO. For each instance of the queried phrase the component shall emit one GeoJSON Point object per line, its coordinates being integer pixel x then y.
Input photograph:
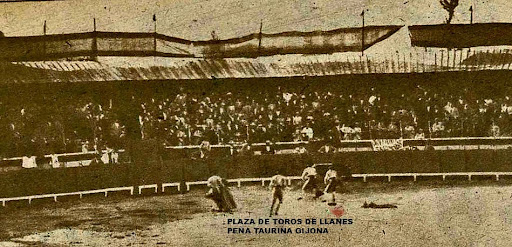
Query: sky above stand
{"type": "Point", "coordinates": [196, 19]}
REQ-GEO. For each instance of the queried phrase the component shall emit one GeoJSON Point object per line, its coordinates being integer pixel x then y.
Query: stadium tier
{"type": "Point", "coordinates": [47, 118]}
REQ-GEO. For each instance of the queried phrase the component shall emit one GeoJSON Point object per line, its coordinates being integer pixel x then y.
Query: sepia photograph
{"type": "Point", "coordinates": [255, 123]}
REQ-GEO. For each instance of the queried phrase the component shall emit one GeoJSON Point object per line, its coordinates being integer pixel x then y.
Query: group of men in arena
{"type": "Point", "coordinates": [221, 195]}
{"type": "Point", "coordinates": [310, 178]}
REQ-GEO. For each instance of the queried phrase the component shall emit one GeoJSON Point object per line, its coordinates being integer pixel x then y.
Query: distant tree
{"type": "Point", "coordinates": [449, 6]}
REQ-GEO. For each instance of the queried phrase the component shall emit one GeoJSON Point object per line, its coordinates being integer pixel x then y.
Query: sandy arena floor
{"type": "Point", "coordinates": [465, 214]}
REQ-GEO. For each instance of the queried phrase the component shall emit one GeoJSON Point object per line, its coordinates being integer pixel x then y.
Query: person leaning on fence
{"type": "Point", "coordinates": [325, 149]}
{"type": "Point", "coordinates": [114, 156]}
{"type": "Point", "coordinates": [309, 176]}
{"type": "Point", "coordinates": [220, 194]}
{"type": "Point", "coordinates": [269, 149]}
{"type": "Point", "coordinates": [331, 181]}
{"type": "Point", "coordinates": [277, 185]}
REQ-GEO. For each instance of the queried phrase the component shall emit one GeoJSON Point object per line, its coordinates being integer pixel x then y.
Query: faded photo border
{"type": "Point", "coordinates": [242, 123]}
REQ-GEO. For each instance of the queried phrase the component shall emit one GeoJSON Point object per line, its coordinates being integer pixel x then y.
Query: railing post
{"type": "Point", "coordinates": [44, 40]}
{"type": "Point", "coordinates": [94, 45]}
{"type": "Point", "coordinates": [435, 61]}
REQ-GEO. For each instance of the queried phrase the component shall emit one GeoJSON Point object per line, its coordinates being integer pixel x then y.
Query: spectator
{"type": "Point", "coordinates": [307, 133]}
{"type": "Point", "coordinates": [173, 117]}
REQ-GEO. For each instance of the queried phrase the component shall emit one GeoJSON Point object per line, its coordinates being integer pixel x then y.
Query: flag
{"type": "Point", "coordinates": [362, 13]}
{"type": "Point", "coordinates": [154, 17]}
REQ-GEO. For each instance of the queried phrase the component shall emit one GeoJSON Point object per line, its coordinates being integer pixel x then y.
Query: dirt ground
{"type": "Point", "coordinates": [427, 214]}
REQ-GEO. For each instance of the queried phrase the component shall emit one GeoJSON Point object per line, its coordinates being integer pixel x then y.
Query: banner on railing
{"type": "Point", "coordinates": [387, 144]}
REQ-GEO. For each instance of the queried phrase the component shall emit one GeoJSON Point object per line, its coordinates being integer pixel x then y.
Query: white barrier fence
{"type": "Point", "coordinates": [54, 196]}
{"type": "Point", "coordinates": [149, 186]}
{"type": "Point", "coordinates": [442, 174]}
{"type": "Point", "coordinates": [466, 143]}
{"type": "Point", "coordinates": [239, 182]}
{"type": "Point", "coordinates": [364, 176]}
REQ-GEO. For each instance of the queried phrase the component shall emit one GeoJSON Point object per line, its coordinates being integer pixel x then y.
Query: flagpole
{"type": "Point", "coordinates": [259, 37]}
{"type": "Point", "coordinates": [154, 33]}
{"type": "Point", "coordinates": [362, 35]}
{"type": "Point", "coordinates": [471, 10]}
{"type": "Point", "coordinates": [94, 41]}
{"type": "Point", "coordinates": [154, 23]}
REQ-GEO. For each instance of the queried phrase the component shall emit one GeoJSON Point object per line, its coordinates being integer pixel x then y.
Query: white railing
{"type": "Point", "coordinates": [239, 182]}
{"type": "Point", "coordinates": [175, 184]}
{"type": "Point", "coordinates": [440, 174]}
{"type": "Point", "coordinates": [65, 154]}
{"type": "Point", "coordinates": [54, 196]}
{"type": "Point", "coordinates": [348, 149]}
{"type": "Point", "coordinates": [149, 186]}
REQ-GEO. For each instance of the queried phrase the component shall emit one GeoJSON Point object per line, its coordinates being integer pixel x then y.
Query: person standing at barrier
{"type": "Point", "coordinates": [309, 176]}
{"type": "Point", "coordinates": [277, 185]}
{"type": "Point", "coordinates": [331, 181]}
{"type": "Point", "coordinates": [115, 156]}
{"type": "Point", "coordinates": [54, 161]}
{"type": "Point", "coordinates": [220, 194]}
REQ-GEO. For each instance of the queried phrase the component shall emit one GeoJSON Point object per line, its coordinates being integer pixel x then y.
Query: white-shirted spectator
{"type": "Point", "coordinates": [307, 132]}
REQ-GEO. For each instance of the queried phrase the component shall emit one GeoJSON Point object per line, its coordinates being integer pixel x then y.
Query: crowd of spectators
{"type": "Point", "coordinates": [187, 117]}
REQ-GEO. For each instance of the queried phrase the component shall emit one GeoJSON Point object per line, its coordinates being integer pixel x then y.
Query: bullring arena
{"type": "Point", "coordinates": [456, 213]}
